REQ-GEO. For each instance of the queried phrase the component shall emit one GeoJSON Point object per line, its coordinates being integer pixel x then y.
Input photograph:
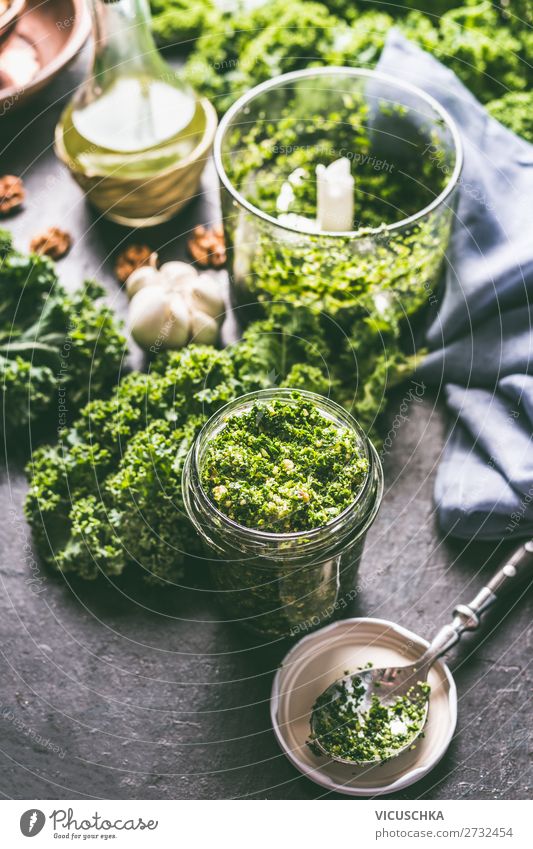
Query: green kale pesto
{"type": "Point", "coordinates": [375, 734]}
{"type": "Point", "coordinates": [282, 466]}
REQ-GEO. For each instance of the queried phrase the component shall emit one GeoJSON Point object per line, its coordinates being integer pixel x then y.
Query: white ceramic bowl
{"type": "Point", "coordinates": [319, 659]}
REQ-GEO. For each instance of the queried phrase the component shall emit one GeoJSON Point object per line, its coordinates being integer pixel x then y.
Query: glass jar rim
{"type": "Point", "coordinates": [336, 70]}
{"type": "Point", "coordinates": [326, 405]}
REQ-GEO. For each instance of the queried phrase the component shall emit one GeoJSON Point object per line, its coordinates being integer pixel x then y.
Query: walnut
{"type": "Point", "coordinates": [134, 256]}
{"type": "Point", "coordinates": [53, 242]}
{"type": "Point", "coordinates": [207, 247]}
{"type": "Point", "coordinates": [11, 194]}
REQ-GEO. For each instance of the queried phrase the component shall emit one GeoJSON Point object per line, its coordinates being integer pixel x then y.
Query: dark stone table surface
{"type": "Point", "coordinates": [116, 692]}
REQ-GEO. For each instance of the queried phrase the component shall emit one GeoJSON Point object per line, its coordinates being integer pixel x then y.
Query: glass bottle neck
{"type": "Point", "coordinates": [123, 41]}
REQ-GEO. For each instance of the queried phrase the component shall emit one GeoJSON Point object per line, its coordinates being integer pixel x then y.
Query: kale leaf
{"type": "Point", "coordinates": [489, 49]}
{"type": "Point", "coordinates": [515, 111]}
{"type": "Point", "coordinates": [56, 349]}
{"type": "Point", "coordinates": [109, 493]}
{"type": "Point", "coordinates": [178, 22]}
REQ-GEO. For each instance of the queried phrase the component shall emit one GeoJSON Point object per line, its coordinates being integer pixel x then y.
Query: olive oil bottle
{"type": "Point", "coordinates": [132, 132]}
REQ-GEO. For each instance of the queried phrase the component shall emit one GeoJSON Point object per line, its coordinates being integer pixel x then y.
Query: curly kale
{"type": "Point", "coordinates": [109, 494]}
{"type": "Point", "coordinates": [136, 516]}
{"type": "Point", "coordinates": [518, 14]}
{"type": "Point", "coordinates": [515, 111]}
{"type": "Point", "coordinates": [56, 349]}
{"type": "Point", "coordinates": [254, 45]}
{"type": "Point", "coordinates": [295, 38]}
{"type": "Point", "coordinates": [431, 7]}
{"type": "Point", "coordinates": [469, 39]}
{"type": "Point", "coordinates": [181, 22]}
{"type": "Point", "coordinates": [485, 50]}
{"type": "Point", "coordinates": [146, 502]}
{"type": "Point", "coordinates": [485, 55]}
{"type": "Point", "coordinates": [360, 45]}
{"type": "Point", "coordinates": [26, 391]}
{"type": "Point", "coordinates": [273, 351]}
{"type": "Point", "coordinates": [26, 282]}
{"type": "Point", "coordinates": [178, 22]}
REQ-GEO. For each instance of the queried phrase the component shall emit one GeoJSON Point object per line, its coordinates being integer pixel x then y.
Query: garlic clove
{"type": "Point", "coordinates": [206, 296]}
{"type": "Point", "coordinates": [204, 328]}
{"type": "Point", "coordinates": [180, 328]}
{"type": "Point", "coordinates": [141, 277]}
{"type": "Point", "coordinates": [150, 317]}
{"type": "Point", "coordinates": [177, 276]}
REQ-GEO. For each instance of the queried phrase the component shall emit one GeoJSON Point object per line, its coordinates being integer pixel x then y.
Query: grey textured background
{"type": "Point", "coordinates": [116, 692]}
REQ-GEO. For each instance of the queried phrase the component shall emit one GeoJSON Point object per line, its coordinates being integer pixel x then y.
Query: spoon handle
{"type": "Point", "coordinates": [466, 617]}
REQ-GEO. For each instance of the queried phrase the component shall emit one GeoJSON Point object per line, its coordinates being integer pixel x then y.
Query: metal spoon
{"type": "Point", "coordinates": [392, 682]}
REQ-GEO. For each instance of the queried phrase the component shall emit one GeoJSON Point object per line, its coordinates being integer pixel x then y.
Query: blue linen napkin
{"type": "Point", "coordinates": [480, 343]}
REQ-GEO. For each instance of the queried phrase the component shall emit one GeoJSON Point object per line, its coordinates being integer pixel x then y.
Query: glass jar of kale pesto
{"type": "Point", "coordinates": [283, 485]}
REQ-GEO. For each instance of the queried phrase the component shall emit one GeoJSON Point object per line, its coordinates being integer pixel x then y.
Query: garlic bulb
{"type": "Point", "coordinates": [171, 306]}
{"type": "Point", "coordinates": [179, 331]}
{"type": "Point", "coordinates": [205, 296]}
{"type": "Point", "coordinates": [149, 316]}
{"type": "Point", "coordinates": [204, 328]}
{"type": "Point", "coordinates": [155, 322]}
{"type": "Point", "coordinates": [177, 276]}
{"type": "Point", "coordinates": [141, 277]}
